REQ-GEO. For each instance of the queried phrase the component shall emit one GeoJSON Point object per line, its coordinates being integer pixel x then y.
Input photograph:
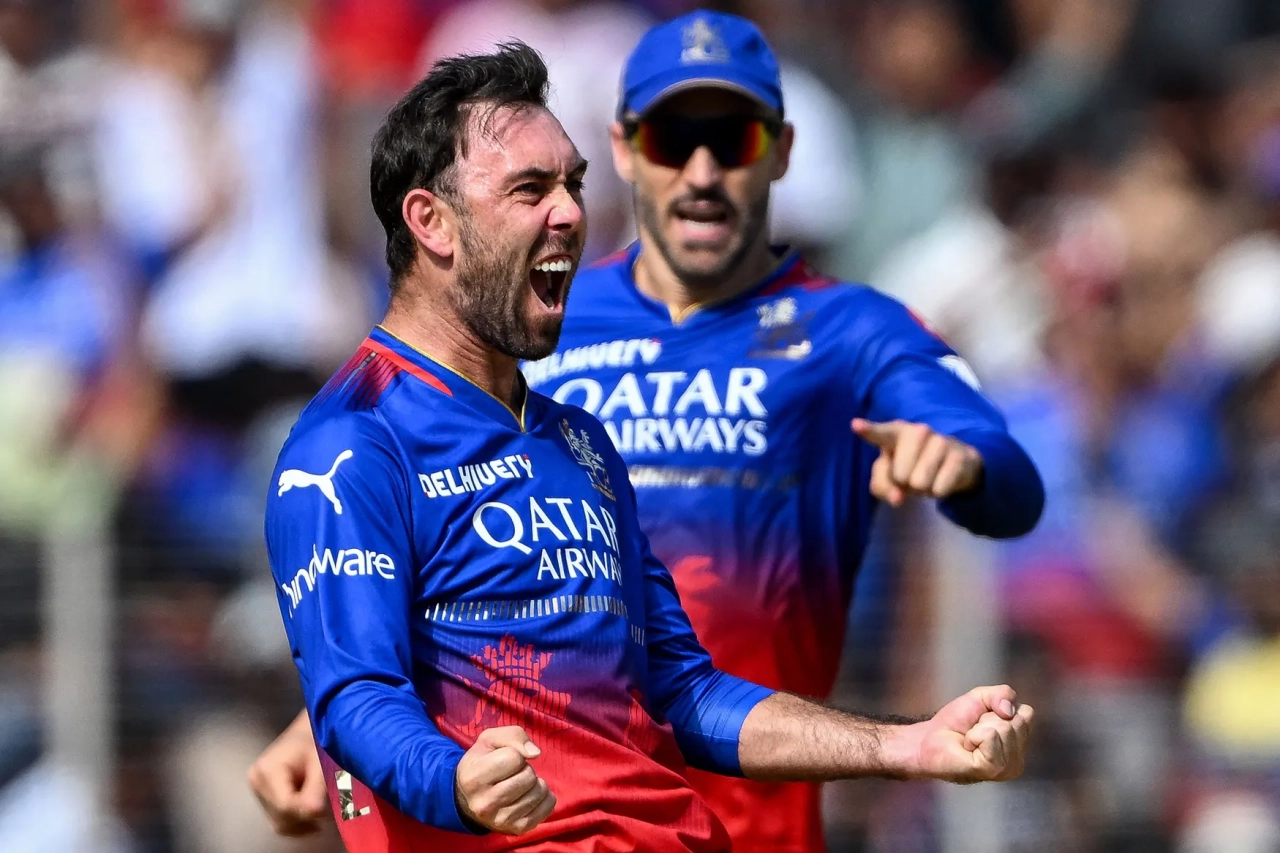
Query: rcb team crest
{"type": "Point", "coordinates": [586, 456]}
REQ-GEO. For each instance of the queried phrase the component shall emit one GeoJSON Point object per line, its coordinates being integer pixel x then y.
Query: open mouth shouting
{"type": "Point", "coordinates": [704, 223]}
{"type": "Point", "coordinates": [550, 278]}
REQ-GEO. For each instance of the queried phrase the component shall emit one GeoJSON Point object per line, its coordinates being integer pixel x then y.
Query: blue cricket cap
{"type": "Point", "coordinates": [700, 49]}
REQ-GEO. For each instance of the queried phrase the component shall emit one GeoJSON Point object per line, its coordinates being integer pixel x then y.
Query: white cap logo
{"type": "Point", "coordinates": [703, 44]}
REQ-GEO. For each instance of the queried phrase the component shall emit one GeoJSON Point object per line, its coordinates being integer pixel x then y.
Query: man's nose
{"type": "Point", "coordinates": [567, 214]}
{"type": "Point", "coordinates": [702, 170]}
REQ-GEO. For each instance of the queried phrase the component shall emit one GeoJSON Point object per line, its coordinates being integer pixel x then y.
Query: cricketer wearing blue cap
{"type": "Point", "coordinates": [763, 412]}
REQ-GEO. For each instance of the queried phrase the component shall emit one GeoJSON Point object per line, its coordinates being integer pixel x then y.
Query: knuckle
{"type": "Point", "coordinates": [525, 780]}
{"type": "Point", "coordinates": [510, 759]}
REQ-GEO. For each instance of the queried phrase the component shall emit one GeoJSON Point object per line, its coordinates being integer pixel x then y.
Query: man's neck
{"type": "Point", "coordinates": [655, 278]}
{"type": "Point", "coordinates": [440, 335]}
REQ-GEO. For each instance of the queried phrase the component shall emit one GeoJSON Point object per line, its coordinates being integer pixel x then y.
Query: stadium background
{"type": "Point", "coordinates": [1083, 196]}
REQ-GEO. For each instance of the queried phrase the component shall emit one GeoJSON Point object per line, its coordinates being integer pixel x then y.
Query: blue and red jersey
{"type": "Point", "coordinates": [446, 565]}
{"type": "Point", "coordinates": [734, 422]}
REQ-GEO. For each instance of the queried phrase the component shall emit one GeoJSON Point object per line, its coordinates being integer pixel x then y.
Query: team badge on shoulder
{"type": "Point", "coordinates": [783, 332]}
{"type": "Point", "coordinates": [585, 455]}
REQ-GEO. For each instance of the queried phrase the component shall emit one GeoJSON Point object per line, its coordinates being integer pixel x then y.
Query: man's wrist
{"type": "Point", "coordinates": [464, 812]}
{"type": "Point", "coordinates": [900, 750]}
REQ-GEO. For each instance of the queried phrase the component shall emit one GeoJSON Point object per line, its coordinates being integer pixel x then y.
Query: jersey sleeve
{"type": "Point", "coordinates": [339, 540]}
{"type": "Point", "coordinates": [908, 373]}
{"type": "Point", "coordinates": [705, 706]}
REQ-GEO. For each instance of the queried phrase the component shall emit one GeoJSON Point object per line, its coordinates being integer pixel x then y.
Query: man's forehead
{"type": "Point", "coordinates": [506, 140]}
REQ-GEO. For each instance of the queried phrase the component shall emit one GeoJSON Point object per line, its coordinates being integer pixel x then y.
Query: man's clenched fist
{"type": "Point", "coordinates": [980, 737]}
{"type": "Point", "coordinates": [916, 460]}
{"type": "Point", "coordinates": [497, 788]}
{"type": "Point", "coordinates": [289, 783]}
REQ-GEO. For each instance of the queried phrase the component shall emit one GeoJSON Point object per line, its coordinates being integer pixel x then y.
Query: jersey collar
{"type": "Point", "coordinates": [448, 380]}
{"type": "Point", "coordinates": [790, 269]}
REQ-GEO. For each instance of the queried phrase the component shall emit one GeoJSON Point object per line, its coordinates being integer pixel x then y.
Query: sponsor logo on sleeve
{"type": "Point", "coordinates": [345, 562]}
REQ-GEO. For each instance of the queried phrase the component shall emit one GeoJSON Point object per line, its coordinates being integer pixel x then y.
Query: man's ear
{"type": "Point", "coordinates": [431, 221]}
{"type": "Point", "coordinates": [623, 156]}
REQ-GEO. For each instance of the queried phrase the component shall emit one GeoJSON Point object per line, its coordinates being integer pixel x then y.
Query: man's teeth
{"type": "Point", "coordinates": [563, 265]}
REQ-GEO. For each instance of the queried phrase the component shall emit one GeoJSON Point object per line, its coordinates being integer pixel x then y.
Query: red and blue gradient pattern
{"type": "Point", "coordinates": [447, 565]}
{"type": "Point", "coordinates": [734, 421]}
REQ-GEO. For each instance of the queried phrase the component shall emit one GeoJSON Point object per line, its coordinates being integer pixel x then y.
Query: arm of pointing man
{"type": "Point", "coordinates": [729, 726]}
{"type": "Point", "coordinates": [938, 435]}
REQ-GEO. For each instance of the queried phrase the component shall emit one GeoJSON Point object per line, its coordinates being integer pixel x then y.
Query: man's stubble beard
{"type": "Point", "coordinates": [753, 226]}
{"type": "Point", "coordinates": [490, 296]}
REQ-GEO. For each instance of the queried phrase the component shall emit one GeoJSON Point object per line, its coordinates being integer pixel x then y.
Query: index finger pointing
{"type": "Point", "coordinates": [882, 435]}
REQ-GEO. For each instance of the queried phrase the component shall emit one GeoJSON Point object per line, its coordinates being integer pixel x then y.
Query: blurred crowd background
{"type": "Point", "coordinates": [1083, 196]}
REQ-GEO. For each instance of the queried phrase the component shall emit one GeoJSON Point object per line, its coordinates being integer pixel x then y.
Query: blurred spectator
{"type": "Point", "coordinates": [912, 57]}
{"type": "Point", "coordinates": [208, 156]}
{"type": "Point", "coordinates": [1239, 299]}
{"type": "Point", "coordinates": [1233, 689]}
{"type": "Point", "coordinates": [1122, 422]}
{"type": "Point", "coordinates": [371, 47]}
{"type": "Point", "coordinates": [74, 409]}
{"type": "Point", "coordinates": [48, 95]}
{"type": "Point", "coordinates": [973, 275]}
{"type": "Point", "coordinates": [73, 421]}
{"type": "Point", "coordinates": [1064, 52]}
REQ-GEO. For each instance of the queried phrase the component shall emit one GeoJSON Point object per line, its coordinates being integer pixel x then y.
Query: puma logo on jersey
{"type": "Point", "coordinates": [293, 478]}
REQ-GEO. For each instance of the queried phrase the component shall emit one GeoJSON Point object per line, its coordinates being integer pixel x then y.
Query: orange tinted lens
{"type": "Point", "coordinates": [733, 140]}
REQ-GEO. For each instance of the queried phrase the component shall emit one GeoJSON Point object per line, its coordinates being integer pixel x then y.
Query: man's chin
{"type": "Point", "coordinates": [539, 341]}
{"type": "Point", "coordinates": [706, 261]}
{"type": "Point", "coordinates": [704, 268]}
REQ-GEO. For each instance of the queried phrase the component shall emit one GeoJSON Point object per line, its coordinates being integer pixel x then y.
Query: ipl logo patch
{"type": "Point", "coordinates": [585, 455]}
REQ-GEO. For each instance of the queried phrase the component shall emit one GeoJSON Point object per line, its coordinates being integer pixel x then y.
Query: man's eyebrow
{"type": "Point", "coordinates": [537, 173]}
